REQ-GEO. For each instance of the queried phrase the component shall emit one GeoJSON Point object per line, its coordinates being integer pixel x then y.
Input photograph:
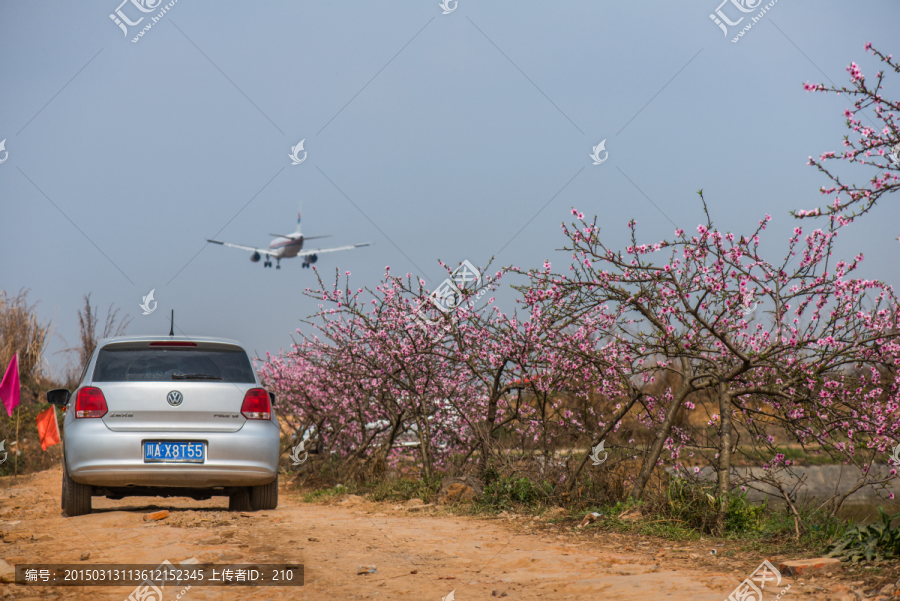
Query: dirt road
{"type": "Point", "coordinates": [419, 555]}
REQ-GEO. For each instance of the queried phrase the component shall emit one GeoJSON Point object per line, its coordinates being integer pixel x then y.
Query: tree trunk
{"type": "Point", "coordinates": [617, 417]}
{"type": "Point", "coordinates": [656, 449]}
{"type": "Point", "coordinates": [423, 433]}
{"type": "Point", "coordinates": [724, 475]}
{"type": "Point", "coordinates": [486, 437]}
{"type": "Point", "coordinates": [378, 459]}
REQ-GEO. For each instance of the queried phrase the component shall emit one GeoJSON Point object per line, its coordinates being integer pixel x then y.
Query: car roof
{"type": "Point", "coordinates": [106, 341]}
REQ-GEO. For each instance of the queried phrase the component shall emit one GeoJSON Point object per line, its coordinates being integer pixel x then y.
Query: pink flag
{"type": "Point", "coordinates": [9, 386]}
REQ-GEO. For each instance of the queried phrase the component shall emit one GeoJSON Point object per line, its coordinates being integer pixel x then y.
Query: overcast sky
{"type": "Point", "coordinates": [433, 136]}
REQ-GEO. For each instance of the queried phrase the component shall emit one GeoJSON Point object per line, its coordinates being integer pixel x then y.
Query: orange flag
{"type": "Point", "coordinates": [47, 427]}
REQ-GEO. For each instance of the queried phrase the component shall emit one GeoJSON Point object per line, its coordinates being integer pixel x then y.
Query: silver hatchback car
{"type": "Point", "coordinates": [172, 417]}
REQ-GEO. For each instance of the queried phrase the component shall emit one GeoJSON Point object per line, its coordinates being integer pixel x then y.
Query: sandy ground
{"type": "Point", "coordinates": [422, 554]}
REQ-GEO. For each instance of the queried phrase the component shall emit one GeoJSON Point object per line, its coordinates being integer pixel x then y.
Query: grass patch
{"type": "Point", "coordinates": [404, 489]}
{"type": "Point", "coordinates": [323, 494]}
{"type": "Point", "coordinates": [504, 493]}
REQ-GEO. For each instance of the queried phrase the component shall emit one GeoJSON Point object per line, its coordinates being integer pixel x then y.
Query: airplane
{"type": "Point", "coordinates": [288, 246]}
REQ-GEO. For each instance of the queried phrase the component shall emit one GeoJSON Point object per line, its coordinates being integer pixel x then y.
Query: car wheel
{"type": "Point", "coordinates": [76, 497]}
{"type": "Point", "coordinates": [265, 496]}
{"type": "Point", "coordinates": [240, 501]}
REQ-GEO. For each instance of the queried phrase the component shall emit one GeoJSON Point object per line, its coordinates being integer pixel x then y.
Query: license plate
{"type": "Point", "coordinates": [174, 452]}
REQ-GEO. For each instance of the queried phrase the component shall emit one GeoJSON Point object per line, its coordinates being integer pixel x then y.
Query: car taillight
{"type": "Point", "coordinates": [256, 404]}
{"type": "Point", "coordinates": [90, 402]}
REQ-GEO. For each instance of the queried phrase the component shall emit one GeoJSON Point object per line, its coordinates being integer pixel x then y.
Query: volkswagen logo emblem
{"type": "Point", "coordinates": [174, 398]}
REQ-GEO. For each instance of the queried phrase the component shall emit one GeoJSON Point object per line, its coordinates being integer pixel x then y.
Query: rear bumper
{"type": "Point", "coordinates": [98, 456]}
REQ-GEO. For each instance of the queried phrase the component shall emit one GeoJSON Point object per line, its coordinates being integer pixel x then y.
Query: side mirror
{"type": "Point", "coordinates": [272, 398]}
{"type": "Point", "coordinates": [59, 396]}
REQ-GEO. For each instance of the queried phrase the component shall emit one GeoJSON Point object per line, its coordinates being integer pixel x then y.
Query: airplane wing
{"type": "Point", "coordinates": [317, 251]}
{"type": "Point", "coordinates": [304, 237]}
{"type": "Point", "coordinates": [262, 251]}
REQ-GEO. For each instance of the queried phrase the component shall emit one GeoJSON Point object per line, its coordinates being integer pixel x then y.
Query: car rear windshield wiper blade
{"type": "Point", "coordinates": [195, 377]}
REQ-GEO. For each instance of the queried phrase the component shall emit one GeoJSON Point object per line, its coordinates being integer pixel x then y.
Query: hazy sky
{"type": "Point", "coordinates": [433, 136]}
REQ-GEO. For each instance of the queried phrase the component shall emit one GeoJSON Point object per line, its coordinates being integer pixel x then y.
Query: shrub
{"type": "Point", "coordinates": [875, 542]}
{"type": "Point", "coordinates": [694, 504]}
{"type": "Point", "coordinates": [505, 492]}
{"type": "Point", "coordinates": [403, 489]}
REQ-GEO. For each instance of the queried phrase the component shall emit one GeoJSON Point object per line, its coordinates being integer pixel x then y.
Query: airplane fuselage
{"type": "Point", "coordinates": [286, 247]}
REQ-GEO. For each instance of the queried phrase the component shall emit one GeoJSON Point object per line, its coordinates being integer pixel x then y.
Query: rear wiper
{"type": "Point", "coordinates": [194, 377]}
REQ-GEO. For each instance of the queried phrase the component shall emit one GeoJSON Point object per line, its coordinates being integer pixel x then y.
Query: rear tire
{"type": "Point", "coordinates": [76, 498]}
{"type": "Point", "coordinates": [240, 501]}
{"type": "Point", "coordinates": [265, 496]}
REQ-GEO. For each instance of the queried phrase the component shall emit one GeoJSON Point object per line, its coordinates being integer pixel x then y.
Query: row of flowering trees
{"type": "Point", "coordinates": [622, 347]}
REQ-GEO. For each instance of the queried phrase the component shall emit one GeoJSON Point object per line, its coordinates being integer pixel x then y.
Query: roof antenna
{"type": "Point", "coordinates": [172, 324]}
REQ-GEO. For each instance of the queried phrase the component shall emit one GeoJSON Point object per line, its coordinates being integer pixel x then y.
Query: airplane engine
{"type": "Point", "coordinates": [255, 257]}
{"type": "Point", "coordinates": [309, 260]}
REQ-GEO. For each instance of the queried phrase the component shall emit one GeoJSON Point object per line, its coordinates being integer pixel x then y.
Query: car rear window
{"type": "Point", "coordinates": [159, 364]}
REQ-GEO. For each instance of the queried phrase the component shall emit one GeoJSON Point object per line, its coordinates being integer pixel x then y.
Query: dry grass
{"type": "Point", "coordinates": [20, 331]}
{"type": "Point", "coordinates": [89, 333]}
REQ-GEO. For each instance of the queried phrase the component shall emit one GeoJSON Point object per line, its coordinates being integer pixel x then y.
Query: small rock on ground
{"type": "Point", "coordinates": [351, 500]}
{"type": "Point", "coordinates": [589, 519]}
{"type": "Point", "coordinates": [463, 489]}
{"type": "Point", "coordinates": [555, 513]}
{"type": "Point", "coordinates": [631, 516]}
{"type": "Point", "coordinates": [806, 567]}
{"type": "Point", "coordinates": [7, 572]}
